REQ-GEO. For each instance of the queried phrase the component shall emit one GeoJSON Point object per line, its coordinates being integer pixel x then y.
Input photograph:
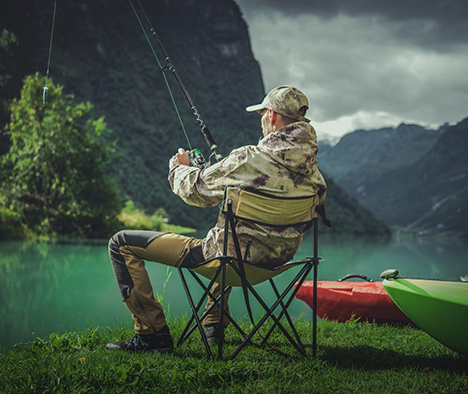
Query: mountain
{"type": "Point", "coordinates": [327, 139]}
{"type": "Point", "coordinates": [99, 54]}
{"type": "Point", "coordinates": [412, 178]}
{"type": "Point", "coordinates": [365, 152]}
{"type": "Point", "coordinates": [326, 142]}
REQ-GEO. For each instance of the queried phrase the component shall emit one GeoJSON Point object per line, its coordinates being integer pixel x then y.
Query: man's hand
{"type": "Point", "coordinates": [182, 157]}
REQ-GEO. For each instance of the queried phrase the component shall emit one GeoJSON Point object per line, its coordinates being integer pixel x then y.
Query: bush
{"type": "Point", "coordinates": [10, 225]}
{"type": "Point", "coordinates": [135, 219]}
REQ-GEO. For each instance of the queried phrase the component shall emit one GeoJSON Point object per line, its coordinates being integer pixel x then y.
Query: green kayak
{"type": "Point", "coordinates": [439, 307]}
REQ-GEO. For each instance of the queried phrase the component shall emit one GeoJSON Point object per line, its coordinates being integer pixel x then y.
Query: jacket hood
{"type": "Point", "coordinates": [293, 146]}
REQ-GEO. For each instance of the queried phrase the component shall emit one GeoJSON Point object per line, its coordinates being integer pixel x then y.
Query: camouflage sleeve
{"type": "Point", "coordinates": [322, 188]}
{"type": "Point", "coordinates": [205, 188]}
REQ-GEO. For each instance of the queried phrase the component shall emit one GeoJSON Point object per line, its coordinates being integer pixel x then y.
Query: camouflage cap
{"type": "Point", "coordinates": [285, 100]}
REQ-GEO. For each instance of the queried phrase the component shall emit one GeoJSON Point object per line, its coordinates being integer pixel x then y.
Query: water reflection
{"type": "Point", "coordinates": [52, 288]}
{"type": "Point", "coordinates": [49, 288]}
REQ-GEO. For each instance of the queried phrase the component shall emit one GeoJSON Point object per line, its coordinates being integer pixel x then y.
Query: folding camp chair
{"type": "Point", "coordinates": [241, 204]}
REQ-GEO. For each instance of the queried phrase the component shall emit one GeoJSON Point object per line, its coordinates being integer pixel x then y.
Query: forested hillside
{"type": "Point", "coordinates": [100, 55]}
{"type": "Point", "coordinates": [413, 179]}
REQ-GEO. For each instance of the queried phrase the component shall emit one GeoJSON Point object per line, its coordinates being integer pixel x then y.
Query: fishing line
{"type": "Point", "coordinates": [196, 157]}
{"type": "Point", "coordinates": [44, 94]}
{"type": "Point", "coordinates": [163, 69]}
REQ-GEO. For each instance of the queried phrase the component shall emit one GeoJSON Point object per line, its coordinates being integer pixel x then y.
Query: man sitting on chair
{"type": "Point", "coordinates": [283, 164]}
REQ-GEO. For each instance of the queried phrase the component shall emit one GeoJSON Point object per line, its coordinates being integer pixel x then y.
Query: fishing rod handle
{"type": "Point", "coordinates": [211, 143]}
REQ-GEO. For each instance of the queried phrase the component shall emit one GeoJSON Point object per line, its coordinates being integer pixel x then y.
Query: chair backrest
{"type": "Point", "coordinates": [267, 209]}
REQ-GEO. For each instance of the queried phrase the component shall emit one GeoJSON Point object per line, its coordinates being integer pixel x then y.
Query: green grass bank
{"type": "Point", "coordinates": [351, 358]}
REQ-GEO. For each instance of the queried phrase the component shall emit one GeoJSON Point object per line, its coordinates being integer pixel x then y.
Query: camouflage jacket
{"type": "Point", "coordinates": [284, 163]}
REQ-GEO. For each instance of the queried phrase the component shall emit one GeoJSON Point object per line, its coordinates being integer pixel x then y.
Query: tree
{"type": "Point", "coordinates": [7, 40]}
{"type": "Point", "coordinates": [53, 180]}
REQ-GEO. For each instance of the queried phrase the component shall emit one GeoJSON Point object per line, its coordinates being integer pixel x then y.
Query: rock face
{"type": "Point", "coordinates": [100, 55]}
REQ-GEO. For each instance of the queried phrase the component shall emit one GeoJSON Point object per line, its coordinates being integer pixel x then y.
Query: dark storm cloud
{"type": "Point", "coordinates": [366, 64]}
{"type": "Point", "coordinates": [398, 9]}
{"type": "Point", "coordinates": [445, 21]}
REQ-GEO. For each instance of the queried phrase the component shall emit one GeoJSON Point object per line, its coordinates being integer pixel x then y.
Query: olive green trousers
{"type": "Point", "coordinates": [128, 251]}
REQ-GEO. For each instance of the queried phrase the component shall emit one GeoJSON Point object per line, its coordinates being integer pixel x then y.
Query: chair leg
{"type": "Point", "coordinates": [314, 302]}
{"type": "Point", "coordinates": [189, 328]}
{"type": "Point", "coordinates": [314, 315]}
{"type": "Point", "coordinates": [258, 326]}
{"type": "Point", "coordinates": [285, 307]}
{"type": "Point", "coordinates": [299, 278]}
{"type": "Point", "coordinates": [269, 314]}
{"type": "Point", "coordinates": [186, 333]}
{"type": "Point", "coordinates": [221, 313]}
{"type": "Point", "coordinates": [217, 301]}
{"type": "Point", "coordinates": [195, 315]}
{"type": "Point", "coordinates": [284, 311]}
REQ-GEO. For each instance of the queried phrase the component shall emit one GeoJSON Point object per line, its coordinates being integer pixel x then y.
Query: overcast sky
{"type": "Point", "coordinates": [366, 63]}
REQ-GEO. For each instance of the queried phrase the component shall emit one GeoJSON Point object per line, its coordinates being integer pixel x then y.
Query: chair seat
{"type": "Point", "coordinates": [253, 273]}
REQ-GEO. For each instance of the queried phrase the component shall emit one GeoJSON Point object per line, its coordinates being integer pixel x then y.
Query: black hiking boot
{"type": "Point", "coordinates": [160, 342]}
{"type": "Point", "coordinates": [212, 333]}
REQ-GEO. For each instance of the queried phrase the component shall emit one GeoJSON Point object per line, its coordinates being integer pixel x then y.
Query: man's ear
{"type": "Point", "coordinates": [272, 116]}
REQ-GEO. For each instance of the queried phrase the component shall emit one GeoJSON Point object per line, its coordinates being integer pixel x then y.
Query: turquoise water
{"type": "Point", "coordinates": [63, 287]}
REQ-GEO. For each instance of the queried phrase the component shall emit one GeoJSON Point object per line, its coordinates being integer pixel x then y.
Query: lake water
{"type": "Point", "coordinates": [46, 288]}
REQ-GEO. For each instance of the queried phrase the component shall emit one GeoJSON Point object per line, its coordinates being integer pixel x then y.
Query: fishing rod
{"type": "Point", "coordinates": [46, 88]}
{"type": "Point", "coordinates": [195, 155]}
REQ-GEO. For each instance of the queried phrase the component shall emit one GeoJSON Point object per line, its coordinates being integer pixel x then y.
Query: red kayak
{"type": "Point", "coordinates": [339, 301]}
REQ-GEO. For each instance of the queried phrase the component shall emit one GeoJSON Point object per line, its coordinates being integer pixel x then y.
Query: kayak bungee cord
{"type": "Point", "coordinates": [44, 93]}
{"type": "Point", "coordinates": [196, 156]}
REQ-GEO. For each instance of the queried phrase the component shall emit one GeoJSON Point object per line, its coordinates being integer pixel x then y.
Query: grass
{"type": "Point", "coordinates": [352, 358]}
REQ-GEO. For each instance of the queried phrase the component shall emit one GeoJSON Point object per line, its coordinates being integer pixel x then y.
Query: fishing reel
{"type": "Point", "coordinates": [197, 159]}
